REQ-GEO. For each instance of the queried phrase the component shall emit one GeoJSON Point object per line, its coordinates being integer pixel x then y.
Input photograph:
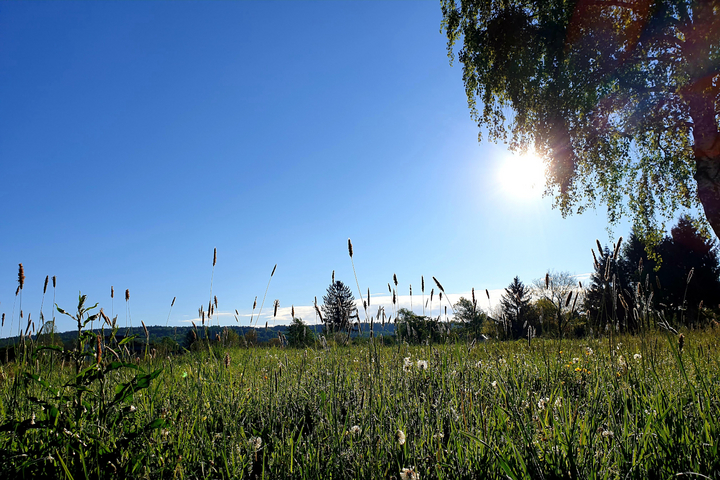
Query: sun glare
{"type": "Point", "coordinates": [522, 176]}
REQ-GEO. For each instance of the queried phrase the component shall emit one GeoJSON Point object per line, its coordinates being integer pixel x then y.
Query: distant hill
{"type": "Point", "coordinates": [179, 334]}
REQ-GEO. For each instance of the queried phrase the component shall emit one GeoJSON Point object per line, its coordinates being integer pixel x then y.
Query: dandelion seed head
{"type": "Point", "coordinates": [409, 474]}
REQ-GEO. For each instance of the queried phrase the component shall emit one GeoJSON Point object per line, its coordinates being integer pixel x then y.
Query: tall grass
{"type": "Point", "coordinates": [494, 410]}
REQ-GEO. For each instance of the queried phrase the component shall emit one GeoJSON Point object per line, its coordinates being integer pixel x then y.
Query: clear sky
{"type": "Point", "coordinates": [136, 137]}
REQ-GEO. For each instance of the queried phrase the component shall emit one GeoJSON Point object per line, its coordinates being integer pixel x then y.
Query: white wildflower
{"type": "Point", "coordinates": [255, 443]}
{"type": "Point", "coordinates": [608, 434]}
{"type": "Point", "coordinates": [355, 429]}
{"type": "Point", "coordinates": [588, 351]}
{"type": "Point", "coordinates": [409, 474]}
{"type": "Point", "coordinates": [407, 362]}
{"type": "Point", "coordinates": [637, 356]}
{"type": "Point", "coordinates": [400, 436]}
{"type": "Point", "coordinates": [494, 384]}
{"type": "Point", "coordinates": [558, 402]}
{"type": "Point", "coordinates": [623, 363]}
{"type": "Point", "coordinates": [542, 402]}
{"type": "Point", "coordinates": [422, 364]}
{"type": "Point", "coordinates": [575, 360]}
{"type": "Point", "coordinates": [478, 364]}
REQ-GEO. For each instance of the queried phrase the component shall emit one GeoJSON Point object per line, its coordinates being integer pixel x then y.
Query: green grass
{"type": "Point", "coordinates": [497, 410]}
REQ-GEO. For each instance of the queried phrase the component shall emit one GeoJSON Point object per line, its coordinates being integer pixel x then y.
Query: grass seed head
{"type": "Point", "coordinates": [350, 248]}
{"type": "Point", "coordinates": [214, 256]}
{"type": "Point", "coordinates": [54, 281]}
{"type": "Point", "coordinates": [617, 248]}
{"type": "Point", "coordinates": [127, 294]}
{"type": "Point", "coordinates": [21, 276]}
{"type": "Point", "coordinates": [438, 284]}
{"type": "Point", "coordinates": [47, 278]}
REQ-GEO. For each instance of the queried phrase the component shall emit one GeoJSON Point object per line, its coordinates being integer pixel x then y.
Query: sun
{"type": "Point", "coordinates": [522, 176]}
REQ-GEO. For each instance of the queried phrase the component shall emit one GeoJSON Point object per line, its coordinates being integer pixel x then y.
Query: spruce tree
{"type": "Point", "coordinates": [515, 304]}
{"type": "Point", "coordinates": [338, 307]}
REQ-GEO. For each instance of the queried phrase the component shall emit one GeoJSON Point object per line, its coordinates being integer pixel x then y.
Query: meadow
{"type": "Point", "coordinates": [635, 407]}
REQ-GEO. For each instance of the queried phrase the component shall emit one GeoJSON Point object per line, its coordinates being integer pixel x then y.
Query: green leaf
{"type": "Point", "coordinates": [32, 376]}
{"type": "Point", "coordinates": [48, 347]}
{"type": "Point", "coordinates": [127, 339]}
{"type": "Point", "coordinates": [157, 423]}
{"type": "Point", "coordinates": [118, 365]}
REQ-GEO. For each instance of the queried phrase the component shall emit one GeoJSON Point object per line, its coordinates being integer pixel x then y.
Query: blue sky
{"type": "Point", "coordinates": [136, 137]}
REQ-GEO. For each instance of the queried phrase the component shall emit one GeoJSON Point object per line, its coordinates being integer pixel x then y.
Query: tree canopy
{"type": "Point", "coordinates": [620, 98]}
{"type": "Point", "coordinates": [683, 285]}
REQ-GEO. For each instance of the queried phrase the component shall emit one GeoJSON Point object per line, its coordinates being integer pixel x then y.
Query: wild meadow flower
{"type": "Point", "coordinates": [494, 384]}
{"type": "Point", "coordinates": [542, 402]}
{"type": "Point", "coordinates": [608, 434]}
{"type": "Point", "coordinates": [575, 360]}
{"type": "Point", "coordinates": [407, 364]}
{"type": "Point", "coordinates": [588, 351]}
{"type": "Point", "coordinates": [255, 443]}
{"type": "Point", "coordinates": [637, 356]}
{"type": "Point", "coordinates": [422, 364]}
{"type": "Point", "coordinates": [400, 437]}
{"type": "Point", "coordinates": [355, 429]}
{"type": "Point", "coordinates": [409, 474]}
{"type": "Point", "coordinates": [478, 364]}
{"type": "Point", "coordinates": [623, 363]}
{"type": "Point", "coordinates": [558, 402]}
